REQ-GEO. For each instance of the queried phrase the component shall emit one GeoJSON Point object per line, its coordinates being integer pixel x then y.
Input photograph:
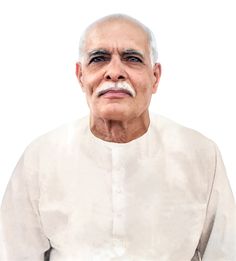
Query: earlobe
{"type": "Point", "coordinates": [157, 76]}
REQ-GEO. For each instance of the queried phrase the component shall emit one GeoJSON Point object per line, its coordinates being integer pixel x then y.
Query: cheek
{"type": "Point", "coordinates": [144, 88]}
{"type": "Point", "coordinates": [144, 93]}
{"type": "Point", "coordinates": [88, 86]}
{"type": "Point", "coordinates": [92, 77]}
{"type": "Point", "coordinates": [141, 81]}
{"type": "Point", "coordinates": [91, 86]}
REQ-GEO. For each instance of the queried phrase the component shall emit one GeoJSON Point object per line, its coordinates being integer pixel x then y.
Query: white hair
{"type": "Point", "coordinates": [123, 85]}
{"type": "Point", "coordinates": [150, 35]}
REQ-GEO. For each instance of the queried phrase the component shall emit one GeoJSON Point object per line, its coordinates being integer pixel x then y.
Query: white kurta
{"type": "Point", "coordinates": [162, 197]}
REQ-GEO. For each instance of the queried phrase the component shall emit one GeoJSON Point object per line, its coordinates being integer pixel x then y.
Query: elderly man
{"type": "Point", "coordinates": [120, 184]}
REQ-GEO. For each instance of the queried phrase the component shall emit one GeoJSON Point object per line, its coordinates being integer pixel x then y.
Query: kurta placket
{"type": "Point", "coordinates": [118, 202]}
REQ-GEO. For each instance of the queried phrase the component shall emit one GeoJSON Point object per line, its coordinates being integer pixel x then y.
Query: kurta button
{"type": "Point", "coordinates": [119, 247]}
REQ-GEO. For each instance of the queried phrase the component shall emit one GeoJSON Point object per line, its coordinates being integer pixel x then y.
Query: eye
{"type": "Point", "coordinates": [133, 59]}
{"type": "Point", "coordinates": [98, 59]}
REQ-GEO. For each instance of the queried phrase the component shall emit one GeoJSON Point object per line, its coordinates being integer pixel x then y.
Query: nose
{"type": "Point", "coordinates": [115, 71]}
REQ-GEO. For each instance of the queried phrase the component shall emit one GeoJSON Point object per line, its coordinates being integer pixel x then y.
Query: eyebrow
{"type": "Point", "coordinates": [133, 52]}
{"type": "Point", "coordinates": [106, 52]}
{"type": "Point", "coordinates": [98, 52]}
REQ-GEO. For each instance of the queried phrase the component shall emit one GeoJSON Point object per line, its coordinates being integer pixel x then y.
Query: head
{"type": "Point", "coordinates": [118, 68]}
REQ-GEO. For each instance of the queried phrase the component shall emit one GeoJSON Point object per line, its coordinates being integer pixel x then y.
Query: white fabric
{"type": "Point", "coordinates": [164, 196]}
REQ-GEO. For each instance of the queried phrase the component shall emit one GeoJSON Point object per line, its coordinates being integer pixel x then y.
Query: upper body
{"type": "Point", "coordinates": [162, 196]}
{"type": "Point", "coordinates": [117, 185]}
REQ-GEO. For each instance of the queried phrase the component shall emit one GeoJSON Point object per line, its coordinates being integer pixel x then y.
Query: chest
{"type": "Point", "coordinates": [145, 208]}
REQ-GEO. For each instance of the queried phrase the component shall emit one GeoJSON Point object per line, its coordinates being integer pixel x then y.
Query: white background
{"type": "Point", "coordinates": [38, 51]}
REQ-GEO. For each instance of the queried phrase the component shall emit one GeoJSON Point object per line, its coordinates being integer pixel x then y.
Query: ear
{"type": "Point", "coordinates": [157, 76]}
{"type": "Point", "coordinates": [78, 72]}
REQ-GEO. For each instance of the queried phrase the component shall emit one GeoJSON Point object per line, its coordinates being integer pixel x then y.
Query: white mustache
{"type": "Point", "coordinates": [111, 86]}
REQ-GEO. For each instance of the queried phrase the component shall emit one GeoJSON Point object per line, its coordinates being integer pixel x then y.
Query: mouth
{"type": "Point", "coordinates": [115, 93]}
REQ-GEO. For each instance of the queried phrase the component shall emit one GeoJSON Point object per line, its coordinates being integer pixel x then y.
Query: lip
{"type": "Point", "coordinates": [113, 94]}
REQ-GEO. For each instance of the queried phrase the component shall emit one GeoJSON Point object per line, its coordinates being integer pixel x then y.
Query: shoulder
{"type": "Point", "coordinates": [176, 137]}
{"type": "Point", "coordinates": [188, 150]}
{"type": "Point", "coordinates": [63, 139]}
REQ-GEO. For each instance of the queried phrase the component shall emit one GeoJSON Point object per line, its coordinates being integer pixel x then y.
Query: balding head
{"type": "Point", "coordinates": [121, 19]}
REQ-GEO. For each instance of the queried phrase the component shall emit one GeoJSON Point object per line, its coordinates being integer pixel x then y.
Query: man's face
{"type": "Point", "coordinates": [117, 52]}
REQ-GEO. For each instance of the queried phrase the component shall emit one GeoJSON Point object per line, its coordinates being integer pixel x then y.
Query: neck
{"type": "Point", "coordinates": [119, 131]}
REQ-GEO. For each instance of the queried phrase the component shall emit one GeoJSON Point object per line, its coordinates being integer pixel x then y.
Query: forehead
{"type": "Point", "coordinates": [118, 34]}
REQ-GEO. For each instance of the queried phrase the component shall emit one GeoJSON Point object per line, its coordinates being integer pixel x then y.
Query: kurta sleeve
{"type": "Point", "coordinates": [218, 239]}
{"type": "Point", "coordinates": [22, 233]}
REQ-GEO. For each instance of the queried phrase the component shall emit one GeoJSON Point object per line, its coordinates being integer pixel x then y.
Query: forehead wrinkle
{"type": "Point", "coordinates": [116, 19]}
{"type": "Point", "coordinates": [97, 37]}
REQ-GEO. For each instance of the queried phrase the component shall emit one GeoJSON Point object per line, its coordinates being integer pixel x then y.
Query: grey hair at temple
{"type": "Point", "coordinates": [150, 35]}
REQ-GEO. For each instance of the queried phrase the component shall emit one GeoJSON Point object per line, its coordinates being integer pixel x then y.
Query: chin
{"type": "Point", "coordinates": [116, 115]}
{"type": "Point", "coordinates": [114, 111]}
